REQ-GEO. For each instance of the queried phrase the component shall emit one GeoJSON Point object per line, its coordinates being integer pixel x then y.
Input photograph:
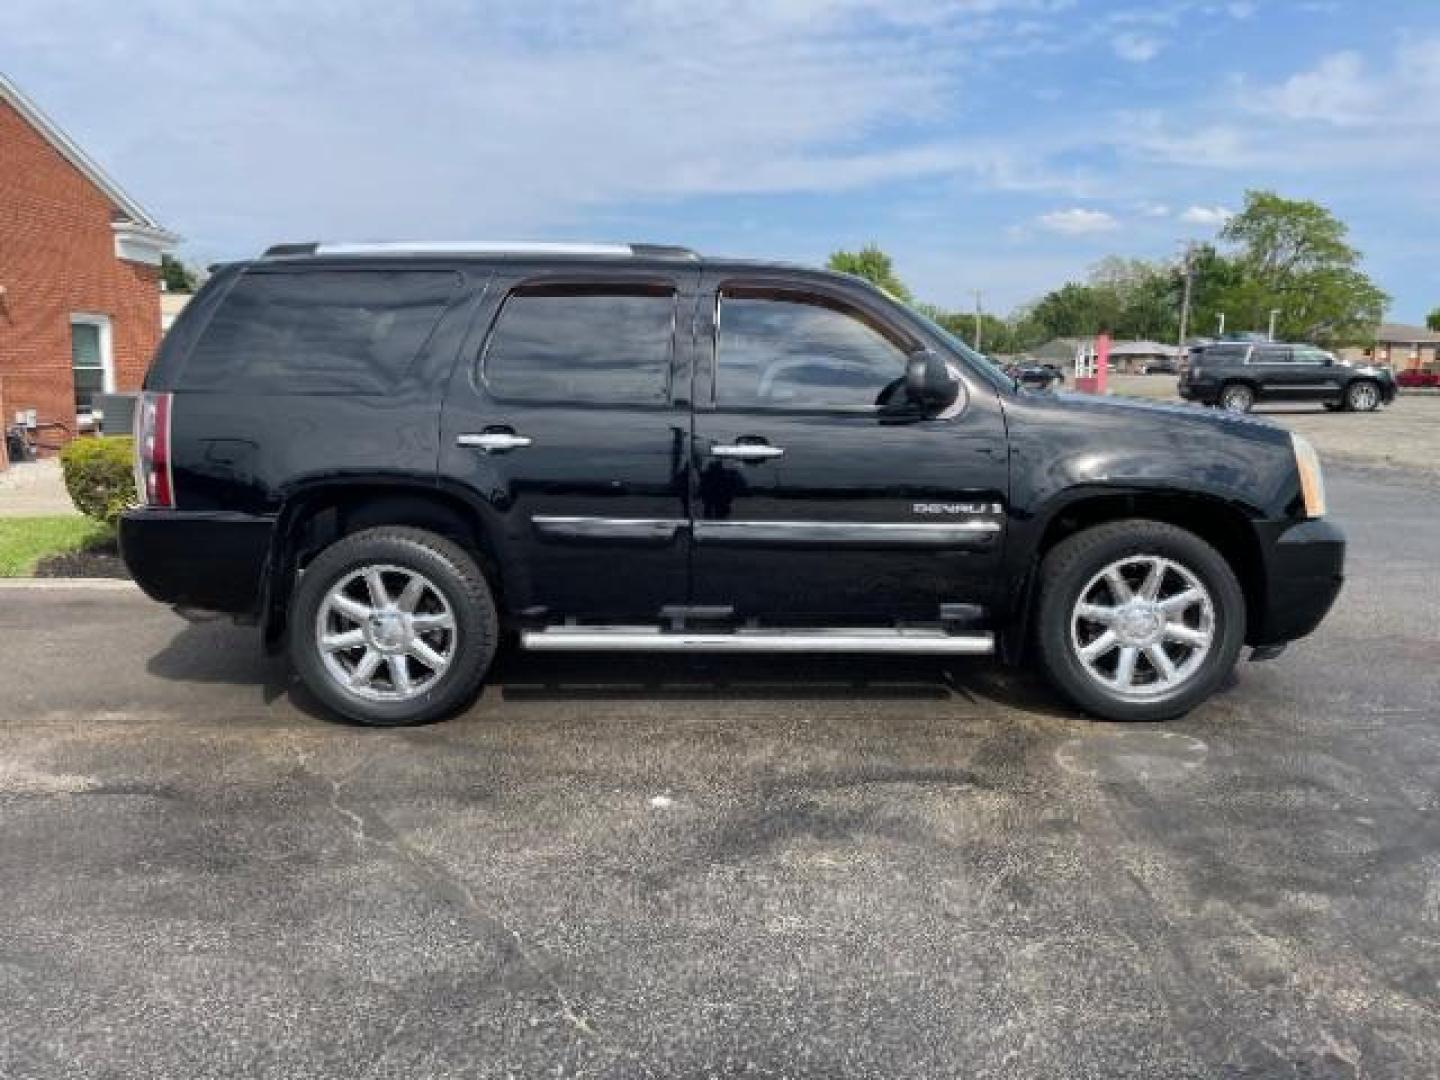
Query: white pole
{"type": "Point", "coordinates": [1274, 313]}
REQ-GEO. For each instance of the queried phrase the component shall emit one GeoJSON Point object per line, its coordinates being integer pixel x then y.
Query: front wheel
{"type": "Point", "coordinates": [1362, 396]}
{"type": "Point", "coordinates": [1138, 620]}
{"type": "Point", "coordinates": [393, 626]}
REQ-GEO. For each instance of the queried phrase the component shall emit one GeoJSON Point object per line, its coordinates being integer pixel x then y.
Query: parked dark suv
{"type": "Point", "coordinates": [1234, 375]}
{"type": "Point", "coordinates": [390, 455]}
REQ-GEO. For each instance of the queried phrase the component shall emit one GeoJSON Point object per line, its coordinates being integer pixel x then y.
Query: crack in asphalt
{"type": "Point", "coordinates": [440, 880]}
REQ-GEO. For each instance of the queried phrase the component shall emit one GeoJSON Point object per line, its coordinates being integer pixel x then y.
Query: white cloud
{"type": "Point", "coordinates": [1136, 48]}
{"type": "Point", "coordinates": [1154, 210]}
{"type": "Point", "coordinates": [1206, 215]}
{"type": "Point", "coordinates": [1241, 9]}
{"type": "Point", "coordinates": [513, 119]}
{"type": "Point", "coordinates": [1344, 90]}
{"type": "Point", "coordinates": [1078, 221]}
{"type": "Point", "coordinates": [1337, 91]}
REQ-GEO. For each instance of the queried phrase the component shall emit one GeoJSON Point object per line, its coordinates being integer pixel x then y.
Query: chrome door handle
{"type": "Point", "coordinates": [747, 451]}
{"type": "Point", "coordinates": [493, 441]}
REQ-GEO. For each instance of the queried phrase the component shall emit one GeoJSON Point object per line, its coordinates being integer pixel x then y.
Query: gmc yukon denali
{"type": "Point", "coordinates": [390, 456]}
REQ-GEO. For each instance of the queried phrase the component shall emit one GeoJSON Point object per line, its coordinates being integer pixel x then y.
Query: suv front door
{"type": "Point", "coordinates": [813, 506]}
{"type": "Point", "coordinates": [568, 427]}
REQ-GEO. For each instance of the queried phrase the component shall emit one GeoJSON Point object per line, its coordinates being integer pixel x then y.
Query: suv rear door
{"type": "Point", "coordinates": [811, 506]}
{"type": "Point", "coordinates": [568, 426]}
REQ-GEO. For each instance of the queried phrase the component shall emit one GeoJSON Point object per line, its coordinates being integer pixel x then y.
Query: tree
{"type": "Point", "coordinates": [874, 266]}
{"type": "Point", "coordinates": [177, 277]}
{"type": "Point", "coordinates": [1433, 320]}
{"type": "Point", "coordinates": [1293, 258]}
{"type": "Point", "coordinates": [997, 336]}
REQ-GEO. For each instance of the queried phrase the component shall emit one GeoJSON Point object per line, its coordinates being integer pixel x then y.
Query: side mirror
{"type": "Point", "coordinates": [928, 382]}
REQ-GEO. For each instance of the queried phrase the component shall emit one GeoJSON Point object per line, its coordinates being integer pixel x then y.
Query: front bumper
{"type": "Point", "coordinates": [1304, 571]}
{"type": "Point", "coordinates": [212, 561]}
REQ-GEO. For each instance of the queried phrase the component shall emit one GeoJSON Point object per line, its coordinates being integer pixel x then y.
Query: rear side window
{"type": "Point", "coordinates": [1226, 354]}
{"type": "Point", "coordinates": [318, 332]}
{"type": "Point", "coordinates": [600, 345]}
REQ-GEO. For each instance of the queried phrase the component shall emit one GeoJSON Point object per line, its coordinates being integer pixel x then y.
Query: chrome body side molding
{"type": "Point", "coordinates": [635, 530]}
{"type": "Point", "coordinates": [938, 534]}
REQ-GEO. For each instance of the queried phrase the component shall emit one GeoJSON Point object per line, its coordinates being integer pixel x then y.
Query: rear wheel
{"type": "Point", "coordinates": [1362, 396]}
{"type": "Point", "coordinates": [1138, 620]}
{"type": "Point", "coordinates": [1237, 397]}
{"type": "Point", "coordinates": [393, 626]}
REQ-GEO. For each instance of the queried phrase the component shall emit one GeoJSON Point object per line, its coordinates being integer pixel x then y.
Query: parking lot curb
{"type": "Point", "coordinates": [41, 584]}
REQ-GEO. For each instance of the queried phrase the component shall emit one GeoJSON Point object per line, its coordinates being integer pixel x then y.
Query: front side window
{"type": "Point", "coordinates": [1272, 354]}
{"type": "Point", "coordinates": [1311, 355]}
{"type": "Point", "coordinates": [601, 345]}
{"type": "Point", "coordinates": [782, 350]}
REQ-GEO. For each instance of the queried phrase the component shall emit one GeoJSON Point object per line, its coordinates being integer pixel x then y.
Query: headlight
{"type": "Point", "coordinates": [1312, 482]}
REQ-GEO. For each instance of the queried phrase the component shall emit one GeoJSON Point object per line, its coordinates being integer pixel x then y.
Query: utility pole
{"type": "Point", "coordinates": [1187, 269]}
{"type": "Point", "coordinates": [979, 328]}
{"type": "Point", "coordinates": [1274, 314]}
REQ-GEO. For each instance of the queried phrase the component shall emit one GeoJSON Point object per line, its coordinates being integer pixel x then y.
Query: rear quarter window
{"type": "Point", "coordinates": [318, 332]}
{"type": "Point", "coordinates": [1225, 354]}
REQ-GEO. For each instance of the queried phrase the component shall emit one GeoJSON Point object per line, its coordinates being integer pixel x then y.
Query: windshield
{"type": "Point", "coordinates": [981, 363]}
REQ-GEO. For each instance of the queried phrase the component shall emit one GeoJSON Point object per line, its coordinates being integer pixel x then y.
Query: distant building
{"type": "Point", "coordinates": [1404, 348]}
{"type": "Point", "coordinates": [79, 274]}
{"type": "Point", "coordinates": [1125, 356]}
{"type": "Point", "coordinates": [1135, 357]}
{"type": "Point", "coordinates": [171, 304]}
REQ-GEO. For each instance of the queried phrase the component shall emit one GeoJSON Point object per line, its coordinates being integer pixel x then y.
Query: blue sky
{"type": "Point", "coordinates": [1000, 145]}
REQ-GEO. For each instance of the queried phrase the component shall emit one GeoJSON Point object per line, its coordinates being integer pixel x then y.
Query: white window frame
{"type": "Point", "coordinates": [107, 355]}
{"type": "Point", "coordinates": [107, 345]}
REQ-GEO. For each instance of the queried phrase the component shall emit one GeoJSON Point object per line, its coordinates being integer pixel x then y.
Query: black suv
{"type": "Point", "coordinates": [389, 456]}
{"type": "Point", "coordinates": [1234, 375]}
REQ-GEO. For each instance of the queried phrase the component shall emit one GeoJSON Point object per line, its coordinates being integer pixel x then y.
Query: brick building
{"type": "Point", "coordinates": [79, 275]}
{"type": "Point", "coordinates": [1404, 348]}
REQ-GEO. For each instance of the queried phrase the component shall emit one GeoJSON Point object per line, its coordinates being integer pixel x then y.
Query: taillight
{"type": "Point", "coordinates": [153, 478]}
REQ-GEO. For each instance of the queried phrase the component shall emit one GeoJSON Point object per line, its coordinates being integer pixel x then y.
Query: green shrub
{"type": "Point", "coordinates": [99, 475]}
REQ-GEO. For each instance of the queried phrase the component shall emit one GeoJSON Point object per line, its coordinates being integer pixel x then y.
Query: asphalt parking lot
{"type": "Point", "coordinates": [729, 867]}
{"type": "Point", "coordinates": [1403, 435]}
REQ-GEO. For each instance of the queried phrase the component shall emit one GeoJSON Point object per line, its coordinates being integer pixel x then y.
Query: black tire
{"type": "Point", "coordinates": [1362, 395]}
{"type": "Point", "coordinates": [1072, 563]}
{"type": "Point", "coordinates": [1236, 397]}
{"type": "Point", "coordinates": [453, 573]}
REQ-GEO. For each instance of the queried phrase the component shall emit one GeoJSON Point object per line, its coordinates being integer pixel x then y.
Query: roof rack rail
{"type": "Point", "coordinates": [479, 247]}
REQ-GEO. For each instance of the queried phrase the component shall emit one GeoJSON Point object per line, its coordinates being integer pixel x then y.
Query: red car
{"type": "Point", "coordinates": [1413, 380]}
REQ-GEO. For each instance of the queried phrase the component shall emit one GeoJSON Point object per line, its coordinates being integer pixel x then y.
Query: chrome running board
{"type": "Point", "coordinates": [654, 639]}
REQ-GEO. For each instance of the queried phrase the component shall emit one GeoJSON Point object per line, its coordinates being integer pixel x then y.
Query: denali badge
{"type": "Point", "coordinates": [955, 508]}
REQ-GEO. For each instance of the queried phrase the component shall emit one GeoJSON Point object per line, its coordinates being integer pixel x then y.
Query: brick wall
{"type": "Point", "coordinates": [57, 257]}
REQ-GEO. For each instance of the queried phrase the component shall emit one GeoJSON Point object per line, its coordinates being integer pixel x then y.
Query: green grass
{"type": "Point", "coordinates": [25, 541]}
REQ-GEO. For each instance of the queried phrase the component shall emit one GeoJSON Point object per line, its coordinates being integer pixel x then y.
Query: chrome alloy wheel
{"type": "Point", "coordinates": [1142, 627]}
{"type": "Point", "coordinates": [385, 633]}
{"type": "Point", "coordinates": [1237, 399]}
{"type": "Point", "coordinates": [1364, 397]}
